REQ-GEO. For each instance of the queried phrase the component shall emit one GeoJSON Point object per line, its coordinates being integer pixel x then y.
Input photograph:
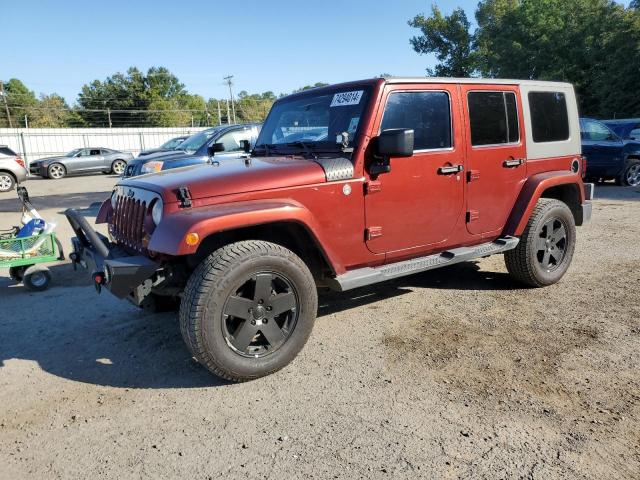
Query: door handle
{"type": "Point", "coordinates": [511, 163]}
{"type": "Point", "coordinates": [453, 169]}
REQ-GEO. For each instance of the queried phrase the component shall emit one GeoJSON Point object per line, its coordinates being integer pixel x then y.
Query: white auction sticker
{"type": "Point", "coordinates": [347, 98]}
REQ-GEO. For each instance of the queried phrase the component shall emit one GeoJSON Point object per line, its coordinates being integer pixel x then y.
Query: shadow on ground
{"type": "Point", "coordinates": [609, 191]}
{"type": "Point", "coordinates": [61, 201]}
{"type": "Point", "coordinates": [75, 334]}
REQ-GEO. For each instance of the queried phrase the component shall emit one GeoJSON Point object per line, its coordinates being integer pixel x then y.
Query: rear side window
{"type": "Point", "coordinates": [549, 117]}
{"type": "Point", "coordinates": [427, 113]}
{"type": "Point", "coordinates": [7, 151]}
{"type": "Point", "coordinates": [493, 117]}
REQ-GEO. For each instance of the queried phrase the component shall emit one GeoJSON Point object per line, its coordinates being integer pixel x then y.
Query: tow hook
{"type": "Point", "coordinates": [99, 279]}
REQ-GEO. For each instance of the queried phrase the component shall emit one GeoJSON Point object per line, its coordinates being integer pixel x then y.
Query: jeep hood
{"type": "Point", "coordinates": [231, 176]}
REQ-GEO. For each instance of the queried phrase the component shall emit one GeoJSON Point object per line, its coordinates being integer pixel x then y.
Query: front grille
{"type": "Point", "coordinates": [127, 223]}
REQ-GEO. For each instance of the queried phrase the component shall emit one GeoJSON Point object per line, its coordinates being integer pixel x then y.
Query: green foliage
{"type": "Point", "coordinates": [594, 44]}
{"type": "Point", "coordinates": [449, 38]}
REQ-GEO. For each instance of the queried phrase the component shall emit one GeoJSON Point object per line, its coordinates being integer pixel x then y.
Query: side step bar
{"type": "Point", "coordinates": [369, 275]}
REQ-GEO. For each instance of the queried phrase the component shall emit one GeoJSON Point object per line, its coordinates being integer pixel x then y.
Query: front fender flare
{"type": "Point", "coordinates": [532, 191]}
{"type": "Point", "coordinates": [169, 236]}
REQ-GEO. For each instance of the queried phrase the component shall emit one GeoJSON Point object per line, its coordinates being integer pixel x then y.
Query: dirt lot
{"type": "Point", "coordinates": [455, 373]}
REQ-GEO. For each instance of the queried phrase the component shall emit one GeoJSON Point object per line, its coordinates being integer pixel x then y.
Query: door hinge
{"type": "Point", "coordinates": [372, 187]}
{"type": "Point", "coordinates": [473, 175]}
{"type": "Point", "coordinates": [473, 215]}
{"type": "Point", "coordinates": [373, 232]}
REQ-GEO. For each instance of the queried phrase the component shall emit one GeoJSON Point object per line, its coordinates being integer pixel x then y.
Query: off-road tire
{"type": "Point", "coordinates": [37, 278]}
{"type": "Point", "coordinates": [629, 176]}
{"type": "Point", "coordinates": [523, 262]}
{"type": "Point", "coordinates": [207, 292]}
{"type": "Point", "coordinates": [56, 171]}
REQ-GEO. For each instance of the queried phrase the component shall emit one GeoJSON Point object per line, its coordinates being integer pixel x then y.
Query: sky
{"type": "Point", "coordinates": [277, 45]}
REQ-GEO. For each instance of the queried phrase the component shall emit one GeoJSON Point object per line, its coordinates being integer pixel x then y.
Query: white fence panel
{"type": "Point", "coordinates": [35, 143]}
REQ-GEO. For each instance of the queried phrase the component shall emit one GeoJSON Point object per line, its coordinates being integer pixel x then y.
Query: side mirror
{"type": "Point", "coordinates": [393, 142]}
{"type": "Point", "coordinates": [215, 148]}
{"type": "Point", "coordinates": [246, 145]}
{"type": "Point", "coordinates": [396, 142]}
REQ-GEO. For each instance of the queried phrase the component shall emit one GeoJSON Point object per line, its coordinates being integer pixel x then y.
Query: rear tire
{"type": "Point", "coordinates": [7, 182]}
{"type": "Point", "coordinates": [630, 177]}
{"type": "Point", "coordinates": [56, 171]}
{"type": "Point", "coordinates": [546, 246]}
{"type": "Point", "coordinates": [37, 278]}
{"type": "Point", "coordinates": [248, 309]}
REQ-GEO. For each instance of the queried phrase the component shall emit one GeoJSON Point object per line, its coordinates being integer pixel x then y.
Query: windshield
{"type": "Point", "coordinates": [315, 121]}
{"type": "Point", "coordinates": [171, 144]}
{"type": "Point", "coordinates": [73, 153]}
{"type": "Point", "coordinates": [194, 142]}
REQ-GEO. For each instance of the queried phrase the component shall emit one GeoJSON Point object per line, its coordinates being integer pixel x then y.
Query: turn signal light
{"type": "Point", "coordinates": [192, 239]}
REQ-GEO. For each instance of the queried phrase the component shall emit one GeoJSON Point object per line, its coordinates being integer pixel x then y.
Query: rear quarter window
{"type": "Point", "coordinates": [549, 117]}
{"type": "Point", "coordinates": [7, 151]}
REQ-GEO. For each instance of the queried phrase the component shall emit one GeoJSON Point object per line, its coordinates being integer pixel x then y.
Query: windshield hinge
{"type": "Point", "coordinates": [372, 186]}
{"type": "Point", "coordinates": [184, 197]}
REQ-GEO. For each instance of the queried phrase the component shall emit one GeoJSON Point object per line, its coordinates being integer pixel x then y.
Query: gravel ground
{"type": "Point", "coordinates": [456, 373]}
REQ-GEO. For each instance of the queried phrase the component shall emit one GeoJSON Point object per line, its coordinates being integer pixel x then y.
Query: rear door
{"type": "Point", "coordinates": [496, 154]}
{"type": "Point", "coordinates": [417, 205]}
{"type": "Point", "coordinates": [601, 147]}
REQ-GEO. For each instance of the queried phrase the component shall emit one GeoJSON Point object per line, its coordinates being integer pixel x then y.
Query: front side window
{"type": "Point", "coordinates": [427, 113]}
{"type": "Point", "coordinates": [493, 117]}
{"type": "Point", "coordinates": [318, 121]}
{"type": "Point", "coordinates": [231, 140]}
{"type": "Point", "coordinates": [549, 117]}
{"type": "Point", "coordinates": [595, 131]}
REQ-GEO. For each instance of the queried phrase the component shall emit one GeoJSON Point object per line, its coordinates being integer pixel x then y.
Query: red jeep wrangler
{"type": "Point", "coordinates": [347, 185]}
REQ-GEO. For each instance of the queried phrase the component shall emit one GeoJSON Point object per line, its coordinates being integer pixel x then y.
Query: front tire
{"type": "Point", "coordinates": [248, 309]}
{"type": "Point", "coordinates": [546, 246]}
{"type": "Point", "coordinates": [118, 166]}
{"type": "Point", "coordinates": [56, 171]}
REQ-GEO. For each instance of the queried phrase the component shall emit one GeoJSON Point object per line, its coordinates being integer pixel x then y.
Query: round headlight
{"type": "Point", "coordinates": [114, 199]}
{"type": "Point", "coordinates": [156, 211]}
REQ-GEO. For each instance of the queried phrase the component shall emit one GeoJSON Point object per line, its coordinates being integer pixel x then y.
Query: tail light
{"type": "Point", "coordinates": [584, 166]}
{"type": "Point", "coordinates": [19, 161]}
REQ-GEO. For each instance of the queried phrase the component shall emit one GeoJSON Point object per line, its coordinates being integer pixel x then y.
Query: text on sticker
{"type": "Point", "coordinates": [346, 98]}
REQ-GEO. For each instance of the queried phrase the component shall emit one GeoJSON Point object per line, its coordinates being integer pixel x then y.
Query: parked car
{"type": "Point", "coordinates": [169, 146]}
{"type": "Point", "coordinates": [82, 160]}
{"type": "Point", "coordinates": [195, 149]}
{"type": "Point", "coordinates": [384, 178]}
{"type": "Point", "coordinates": [627, 129]}
{"type": "Point", "coordinates": [609, 157]}
{"type": "Point", "coordinates": [12, 169]}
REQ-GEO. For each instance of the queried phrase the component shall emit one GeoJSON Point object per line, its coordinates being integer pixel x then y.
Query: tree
{"type": "Point", "coordinates": [594, 44]}
{"type": "Point", "coordinates": [449, 38]}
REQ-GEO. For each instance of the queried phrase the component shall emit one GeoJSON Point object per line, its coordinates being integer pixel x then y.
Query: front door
{"type": "Point", "coordinates": [418, 203]}
{"type": "Point", "coordinates": [496, 155]}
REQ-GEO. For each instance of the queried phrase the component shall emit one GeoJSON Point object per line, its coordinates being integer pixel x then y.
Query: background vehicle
{"type": "Point", "coordinates": [194, 150]}
{"type": "Point", "coordinates": [172, 144]}
{"type": "Point", "coordinates": [627, 129]}
{"type": "Point", "coordinates": [609, 156]}
{"type": "Point", "coordinates": [347, 186]}
{"type": "Point", "coordinates": [82, 160]}
{"type": "Point", "coordinates": [12, 169]}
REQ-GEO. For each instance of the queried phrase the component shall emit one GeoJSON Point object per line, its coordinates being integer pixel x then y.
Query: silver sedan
{"type": "Point", "coordinates": [80, 161]}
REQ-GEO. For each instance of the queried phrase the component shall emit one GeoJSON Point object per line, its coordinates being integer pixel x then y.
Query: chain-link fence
{"type": "Point", "coordinates": [35, 143]}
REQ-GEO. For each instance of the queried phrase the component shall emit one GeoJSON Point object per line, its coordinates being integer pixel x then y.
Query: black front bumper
{"type": "Point", "coordinates": [124, 275]}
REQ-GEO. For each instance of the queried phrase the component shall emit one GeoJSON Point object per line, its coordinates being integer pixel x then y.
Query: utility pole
{"type": "Point", "coordinates": [219, 113]}
{"type": "Point", "coordinates": [26, 122]}
{"type": "Point", "coordinates": [109, 116]}
{"type": "Point", "coordinates": [233, 108]}
{"type": "Point", "coordinates": [228, 114]}
{"type": "Point", "coordinates": [6, 105]}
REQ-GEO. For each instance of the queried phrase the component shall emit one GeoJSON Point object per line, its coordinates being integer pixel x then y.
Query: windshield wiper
{"type": "Point", "coordinates": [308, 149]}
